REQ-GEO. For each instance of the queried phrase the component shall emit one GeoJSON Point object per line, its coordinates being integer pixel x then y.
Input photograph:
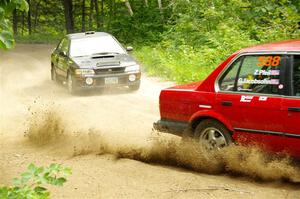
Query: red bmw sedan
{"type": "Point", "coordinates": [253, 97]}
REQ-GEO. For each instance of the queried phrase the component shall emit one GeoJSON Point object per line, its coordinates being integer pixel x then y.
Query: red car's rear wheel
{"type": "Point", "coordinates": [212, 134]}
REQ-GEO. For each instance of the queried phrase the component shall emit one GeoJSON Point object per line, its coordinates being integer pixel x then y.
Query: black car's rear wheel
{"type": "Point", "coordinates": [211, 134]}
{"type": "Point", "coordinates": [71, 84]}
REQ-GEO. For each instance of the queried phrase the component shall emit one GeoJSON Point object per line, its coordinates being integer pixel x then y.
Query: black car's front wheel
{"type": "Point", "coordinates": [53, 74]}
{"type": "Point", "coordinates": [211, 134]}
{"type": "Point", "coordinates": [134, 87]}
{"type": "Point", "coordinates": [71, 84]}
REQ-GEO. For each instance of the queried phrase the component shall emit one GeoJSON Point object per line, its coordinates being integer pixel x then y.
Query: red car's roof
{"type": "Point", "coordinates": [291, 45]}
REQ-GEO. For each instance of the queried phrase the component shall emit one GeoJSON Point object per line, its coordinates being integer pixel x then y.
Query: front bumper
{"type": "Point", "coordinates": [170, 126]}
{"type": "Point", "coordinates": [99, 80]}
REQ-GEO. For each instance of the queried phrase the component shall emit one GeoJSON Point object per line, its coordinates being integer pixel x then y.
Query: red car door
{"type": "Point", "coordinates": [253, 103]}
{"type": "Point", "coordinates": [291, 108]}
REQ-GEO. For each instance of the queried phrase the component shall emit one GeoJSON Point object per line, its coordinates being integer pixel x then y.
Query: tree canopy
{"type": "Point", "coordinates": [181, 22]}
{"type": "Point", "coordinates": [6, 8]}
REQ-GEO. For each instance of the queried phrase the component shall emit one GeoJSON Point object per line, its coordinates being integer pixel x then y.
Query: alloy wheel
{"type": "Point", "coordinates": [212, 138]}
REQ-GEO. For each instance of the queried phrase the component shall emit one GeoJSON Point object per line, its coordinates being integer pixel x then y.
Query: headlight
{"type": "Point", "coordinates": [132, 68]}
{"type": "Point", "coordinates": [89, 81]}
{"type": "Point", "coordinates": [132, 77]}
{"type": "Point", "coordinates": [84, 72]}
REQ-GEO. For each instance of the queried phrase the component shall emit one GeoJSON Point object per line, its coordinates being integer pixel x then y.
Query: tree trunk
{"type": "Point", "coordinates": [97, 14]}
{"type": "Point", "coordinates": [114, 8]}
{"type": "Point", "coordinates": [91, 15]}
{"type": "Point", "coordinates": [68, 8]}
{"type": "Point", "coordinates": [36, 15]}
{"type": "Point", "coordinates": [146, 3]}
{"type": "Point", "coordinates": [102, 13]}
{"type": "Point", "coordinates": [15, 22]}
{"type": "Point", "coordinates": [83, 16]}
{"type": "Point", "coordinates": [23, 22]}
{"type": "Point", "coordinates": [160, 7]}
{"type": "Point", "coordinates": [127, 3]}
{"type": "Point", "coordinates": [29, 17]}
{"type": "Point", "coordinates": [110, 15]}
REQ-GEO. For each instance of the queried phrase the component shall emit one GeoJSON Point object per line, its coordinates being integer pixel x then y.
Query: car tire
{"type": "Point", "coordinates": [212, 135]}
{"type": "Point", "coordinates": [53, 74]}
{"type": "Point", "coordinates": [71, 84]}
{"type": "Point", "coordinates": [134, 87]}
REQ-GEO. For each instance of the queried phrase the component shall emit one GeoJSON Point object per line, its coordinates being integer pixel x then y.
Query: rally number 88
{"type": "Point", "coordinates": [268, 61]}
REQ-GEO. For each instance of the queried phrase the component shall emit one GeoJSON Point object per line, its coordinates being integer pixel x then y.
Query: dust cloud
{"type": "Point", "coordinates": [48, 129]}
{"type": "Point", "coordinates": [76, 130]}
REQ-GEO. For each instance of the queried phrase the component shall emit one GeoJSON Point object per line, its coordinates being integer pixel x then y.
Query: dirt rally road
{"type": "Point", "coordinates": [107, 140]}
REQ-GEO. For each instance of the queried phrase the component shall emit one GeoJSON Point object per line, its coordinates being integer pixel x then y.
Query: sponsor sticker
{"type": "Point", "coordinates": [258, 81]}
{"type": "Point", "coordinates": [274, 72]}
{"type": "Point", "coordinates": [263, 98]}
{"type": "Point", "coordinates": [246, 98]}
{"type": "Point", "coordinates": [267, 72]}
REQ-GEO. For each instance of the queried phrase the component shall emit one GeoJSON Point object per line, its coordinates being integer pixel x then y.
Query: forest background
{"type": "Point", "coordinates": [180, 40]}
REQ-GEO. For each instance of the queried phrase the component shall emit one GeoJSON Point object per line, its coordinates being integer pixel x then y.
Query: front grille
{"type": "Point", "coordinates": [103, 71]}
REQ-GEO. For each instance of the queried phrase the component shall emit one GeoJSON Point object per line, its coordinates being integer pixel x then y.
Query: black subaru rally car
{"type": "Point", "coordinates": [94, 60]}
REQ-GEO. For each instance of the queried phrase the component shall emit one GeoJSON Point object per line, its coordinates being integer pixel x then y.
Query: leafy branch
{"type": "Point", "coordinates": [31, 183]}
{"type": "Point", "coordinates": [6, 8]}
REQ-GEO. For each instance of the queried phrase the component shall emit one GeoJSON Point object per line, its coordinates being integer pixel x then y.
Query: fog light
{"type": "Point", "coordinates": [89, 81]}
{"type": "Point", "coordinates": [132, 78]}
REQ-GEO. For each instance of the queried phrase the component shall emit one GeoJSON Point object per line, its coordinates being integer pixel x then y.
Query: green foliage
{"type": "Point", "coordinates": [6, 8]}
{"type": "Point", "coordinates": [179, 65]}
{"type": "Point", "coordinates": [201, 34]}
{"type": "Point", "coordinates": [145, 26]}
{"type": "Point", "coordinates": [202, 22]}
{"type": "Point", "coordinates": [182, 42]}
{"type": "Point", "coordinates": [31, 183]}
{"type": "Point", "coordinates": [39, 38]}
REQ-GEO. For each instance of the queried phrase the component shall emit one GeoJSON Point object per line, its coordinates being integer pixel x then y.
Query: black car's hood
{"type": "Point", "coordinates": [106, 60]}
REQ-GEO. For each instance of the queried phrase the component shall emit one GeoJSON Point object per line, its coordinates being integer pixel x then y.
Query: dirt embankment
{"type": "Point", "coordinates": [108, 140]}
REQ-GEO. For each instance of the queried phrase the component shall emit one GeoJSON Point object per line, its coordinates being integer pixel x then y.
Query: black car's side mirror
{"type": "Point", "coordinates": [129, 48]}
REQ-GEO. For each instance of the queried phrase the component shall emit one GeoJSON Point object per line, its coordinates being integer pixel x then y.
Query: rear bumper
{"type": "Point", "coordinates": [170, 126]}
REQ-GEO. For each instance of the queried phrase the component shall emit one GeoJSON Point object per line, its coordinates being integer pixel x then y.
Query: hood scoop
{"type": "Point", "coordinates": [109, 62]}
{"type": "Point", "coordinates": [103, 56]}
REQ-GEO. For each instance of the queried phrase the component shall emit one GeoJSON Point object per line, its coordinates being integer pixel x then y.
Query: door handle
{"type": "Point", "coordinates": [294, 109]}
{"type": "Point", "coordinates": [226, 103]}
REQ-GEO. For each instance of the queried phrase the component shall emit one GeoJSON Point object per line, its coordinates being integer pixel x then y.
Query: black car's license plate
{"type": "Point", "coordinates": [111, 80]}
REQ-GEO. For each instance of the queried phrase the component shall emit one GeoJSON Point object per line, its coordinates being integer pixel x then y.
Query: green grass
{"type": "Point", "coordinates": [180, 65]}
{"type": "Point", "coordinates": [183, 63]}
{"type": "Point", "coordinates": [39, 39]}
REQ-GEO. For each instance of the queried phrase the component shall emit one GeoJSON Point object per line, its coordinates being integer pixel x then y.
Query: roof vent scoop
{"type": "Point", "coordinates": [89, 32]}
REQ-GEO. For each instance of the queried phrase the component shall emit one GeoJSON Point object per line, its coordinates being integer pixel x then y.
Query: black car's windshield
{"type": "Point", "coordinates": [95, 45]}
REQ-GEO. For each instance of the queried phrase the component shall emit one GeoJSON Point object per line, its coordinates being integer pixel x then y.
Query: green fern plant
{"type": "Point", "coordinates": [31, 183]}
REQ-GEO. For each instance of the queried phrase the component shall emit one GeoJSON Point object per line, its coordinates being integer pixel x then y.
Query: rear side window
{"type": "Point", "coordinates": [296, 75]}
{"type": "Point", "coordinates": [227, 82]}
{"type": "Point", "coordinates": [64, 46]}
{"type": "Point", "coordinates": [256, 74]}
